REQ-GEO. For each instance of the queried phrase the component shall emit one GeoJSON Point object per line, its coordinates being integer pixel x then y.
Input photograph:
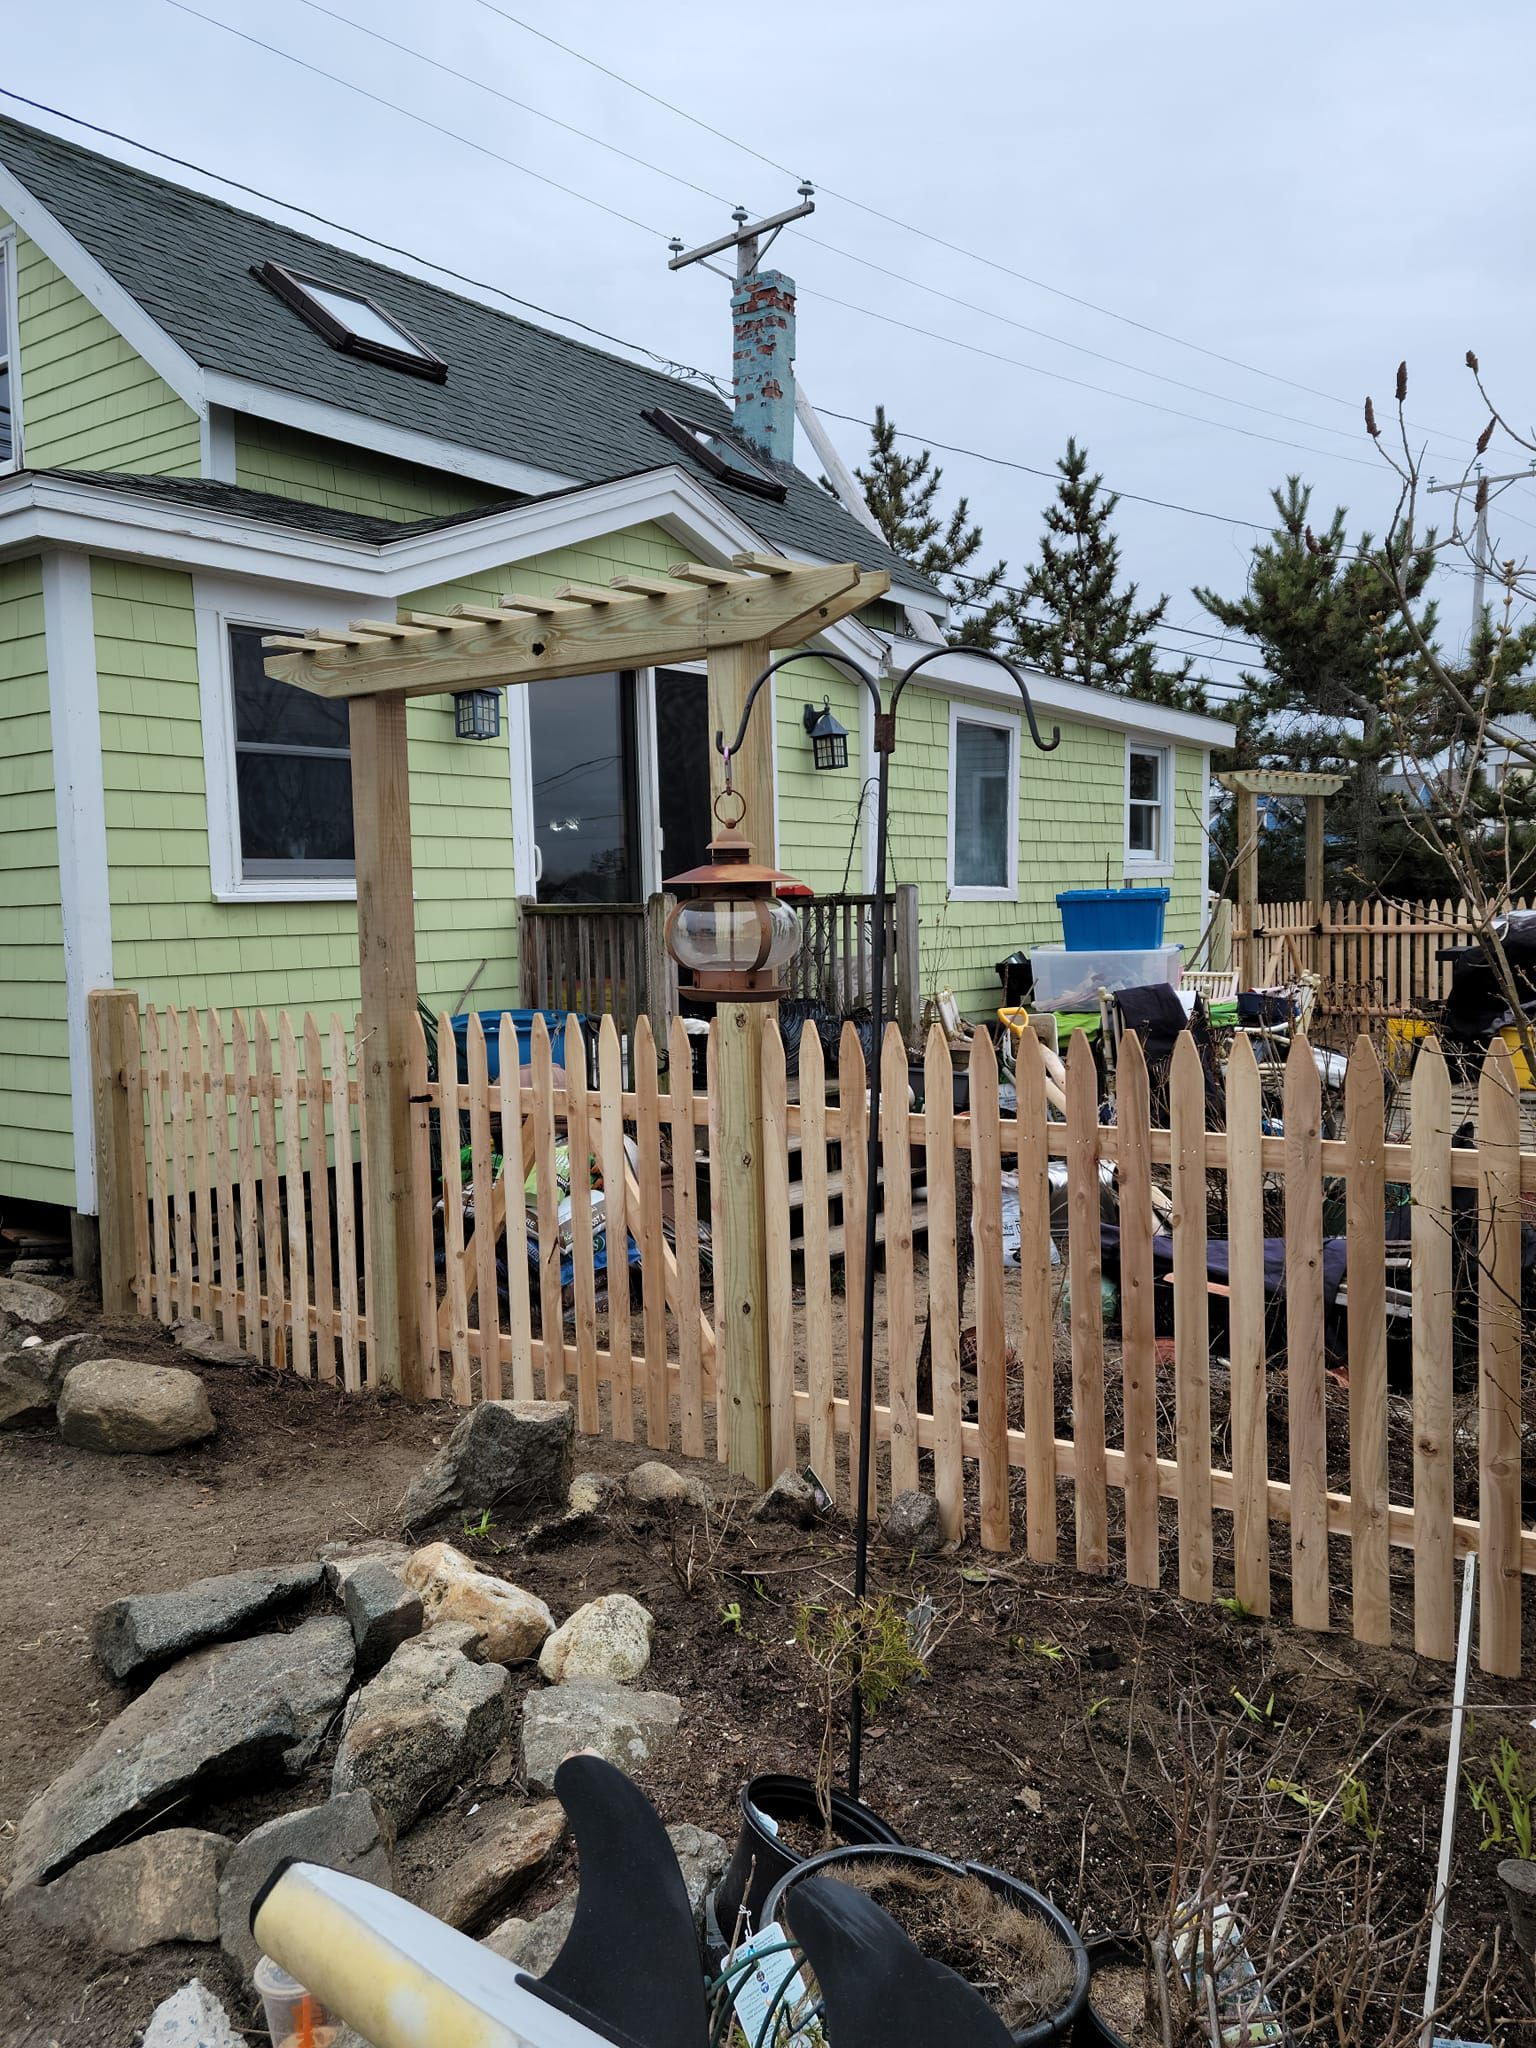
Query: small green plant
{"type": "Point", "coordinates": [1507, 1806]}
{"type": "Point", "coordinates": [1049, 1648]}
{"type": "Point", "coordinates": [1355, 1806]}
{"type": "Point", "coordinates": [1297, 1793]}
{"type": "Point", "coordinates": [1263, 1717]}
{"type": "Point", "coordinates": [481, 1526]}
{"type": "Point", "coordinates": [1236, 1606]}
{"type": "Point", "coordinates": [864, 1644]}
{"type": "Point", "coordinates": [730, 1617]}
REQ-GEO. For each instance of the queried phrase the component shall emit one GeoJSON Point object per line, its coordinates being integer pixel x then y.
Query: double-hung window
{"type": "Point", "coordinates": [1148, 808]}
{"type": "Point", "coordinates": [983, 804]}
{"type": "Point", "coordinates": [10, 384]}
{"type": "Point", "coordinates": [293, 772]}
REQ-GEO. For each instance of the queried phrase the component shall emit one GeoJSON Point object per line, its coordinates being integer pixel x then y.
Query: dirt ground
{"type": "Point", "coordinates": [1083, 1735]}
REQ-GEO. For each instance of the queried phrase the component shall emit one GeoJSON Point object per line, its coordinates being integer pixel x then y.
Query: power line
{"type": "Point", "coordinates": [911, 227]}
{"type": "Point", "coordinates": [617, 213]}
{"type": "Point", "coordinates": [815, 241]}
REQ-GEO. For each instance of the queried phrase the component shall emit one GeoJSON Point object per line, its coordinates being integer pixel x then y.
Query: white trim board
{"type": "Point", "coordinates": [1144, 866]}
{"type": "Point", "coordinates": [10, 320]}
{"type": "Point", "coordinates": [1009, 722]}
{"type": "Point", "coordinates": [74, 717]}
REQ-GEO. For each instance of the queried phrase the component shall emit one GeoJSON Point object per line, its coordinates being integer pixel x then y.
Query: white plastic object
{"type": "Point", "coordinates": [1074, 981]}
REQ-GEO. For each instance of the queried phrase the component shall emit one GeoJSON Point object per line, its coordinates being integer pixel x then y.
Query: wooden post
{"type": "Point", "coordinates": [386, 946]}
{"type": "Point", "coordinates": [1247, 883]}
{"type": "Point", "coordinates": [660, 975]}
{"type": "Point", "coordinates": [114, 1024]}
{"type": "Point", "coordinates": [741, 1261]}
{"type": "Point", "coordinates": [1315, 906]}
{"type": "Point", "coordinates": [908, 968]}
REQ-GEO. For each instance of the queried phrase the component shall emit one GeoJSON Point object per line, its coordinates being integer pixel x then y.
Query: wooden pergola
{"type": "Point", "coordinates": [731, 618]}
{"type": "Point", "coordinates": [1248, 785]}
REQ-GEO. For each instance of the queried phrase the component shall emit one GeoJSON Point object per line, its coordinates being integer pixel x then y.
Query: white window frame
{"type": "Point", "coordinates": [1160, 863]}
{"type": "Point", "coordinates": [963, 712]}
{"type": "Point", "coordinates": [277, 608]}
{"type": "Point", "coordinates": [13, 345]}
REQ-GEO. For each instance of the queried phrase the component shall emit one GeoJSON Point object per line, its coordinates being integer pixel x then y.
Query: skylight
{"type": "Point", "coordinates": [720, 452]}
{"type": "Point", "coordinates": [352, 322]}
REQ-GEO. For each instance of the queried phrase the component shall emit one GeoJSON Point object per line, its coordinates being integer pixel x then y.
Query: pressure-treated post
{"type": "Point", "coordinates": [1315, 877]}
{"type": "Point", "coordinates": [113, 1016]}
{"type": "Point", "coordinates": [386, 950]}
{"type": "Point", "coordinates": [1247, 883]}
{"type": "Point", "coordinates": [741, 1266]}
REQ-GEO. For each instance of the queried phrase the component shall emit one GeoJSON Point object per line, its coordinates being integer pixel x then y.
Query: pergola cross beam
{"type": "Point", "coordinates": [637, 622]}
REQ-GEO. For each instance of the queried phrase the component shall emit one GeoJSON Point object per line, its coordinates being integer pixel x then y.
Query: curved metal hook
{"type": "Point", "coordinates": [986, 654]}
{"type": "Point", "coordinates": [840, 660]}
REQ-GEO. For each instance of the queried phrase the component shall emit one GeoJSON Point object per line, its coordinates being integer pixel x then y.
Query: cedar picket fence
{"type": "Point", "coordinates": [245, 1213]}
{"type": "Point", "coordinates": [1376, 959]}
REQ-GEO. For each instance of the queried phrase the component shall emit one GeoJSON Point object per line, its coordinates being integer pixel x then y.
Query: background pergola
{"type": "Point", "coordinates": [1248, 785]}
{"type": "Point", "coordinates": [731, 618]}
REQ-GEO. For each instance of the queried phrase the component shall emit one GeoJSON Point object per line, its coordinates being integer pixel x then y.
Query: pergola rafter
{"type": "Point", "coordinates": [732, 618]}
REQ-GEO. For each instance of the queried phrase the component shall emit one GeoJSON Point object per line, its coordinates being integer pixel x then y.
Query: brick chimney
{"type": "Point", "coordinates": [763, 357]}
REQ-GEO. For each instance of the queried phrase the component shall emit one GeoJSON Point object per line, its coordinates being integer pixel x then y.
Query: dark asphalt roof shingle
{"type": "Point", "coordinates": [513, 389]}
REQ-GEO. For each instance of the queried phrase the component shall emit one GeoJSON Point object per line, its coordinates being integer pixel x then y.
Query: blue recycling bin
{"type": "Point", "coordinates": [490, 1021]}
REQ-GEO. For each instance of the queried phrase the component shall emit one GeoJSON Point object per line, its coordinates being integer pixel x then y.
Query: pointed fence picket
{"type": "Point", "coordinates": [247, 1215]}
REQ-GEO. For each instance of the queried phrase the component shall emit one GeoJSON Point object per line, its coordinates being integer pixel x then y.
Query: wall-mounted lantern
{"type": "Point", "coordinates": [477, 714]}
{"type": "Point", "coordinates": [829, 740]}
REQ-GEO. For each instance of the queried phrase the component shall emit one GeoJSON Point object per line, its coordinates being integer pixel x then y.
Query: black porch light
{"type": "Point", "coordinates": [477, 714]}
{"type": "Point", "coordinates": [729, 928]}
{"type": "Point", "coordinates": [829, 740]}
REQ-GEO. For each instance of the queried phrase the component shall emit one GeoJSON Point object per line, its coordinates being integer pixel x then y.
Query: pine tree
{"type": "Point", "coordinates": [1072, 619]}
{"type": "Point", "coordinates": [902, 492]}
{"type": "Point", "coordinates": [1336, 657]}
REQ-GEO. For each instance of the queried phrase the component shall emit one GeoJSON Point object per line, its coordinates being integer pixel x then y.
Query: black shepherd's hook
{"type": "Point", "coordinates": [885, 746]}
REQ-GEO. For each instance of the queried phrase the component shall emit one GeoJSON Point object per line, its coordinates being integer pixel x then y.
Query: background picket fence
{"type": "Point", "coordinates": [1375, 959]}
{"type": "Point", "coordinates": [1146, 1457]}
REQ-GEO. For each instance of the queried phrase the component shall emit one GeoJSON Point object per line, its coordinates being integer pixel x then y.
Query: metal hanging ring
{"type": "Point", "coordinates": [730, 824]}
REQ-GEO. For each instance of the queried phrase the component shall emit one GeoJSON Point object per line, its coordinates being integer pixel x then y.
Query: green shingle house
{"type": "Point", "coordinates": [213, 427]}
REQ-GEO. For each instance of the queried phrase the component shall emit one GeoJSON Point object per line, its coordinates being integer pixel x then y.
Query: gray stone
{"type": "Point", "coordinates": [340, 1560]}
{"type": "Point", "coordinates": [428, 1721]}
{"type": "Point", "coordinates": [231, 1710]}
{"type": "Point", "coordinates": [30, 1303]}
{"type": "Point", "coordinates": [120, 1405]}
{"type": "Point", "coordinates": [148, 1629]}
{"type": "Point", "coordinates": [789, 1499]}
{"type": "Point", "coordinates": [533, 1944]}
{"type": "Point", "coordinates": [163, 1887]}
{"type": "Point", "coordinates": [511, 1624]}
{"type": "Point", "coordinates": [382, 1610]}
{"type": "Point", "coordinates": [591, 1492]}
{"type": "Point", "coordinates": [608, 1638]}
{"type": "Point", "coordinates": [191, 2018]}
{"type": "Point", "coordinates": [205, 1344]}
{"type": "Point", "coordinates": [350, 1833]}
{"type": "Point", "coordinates": [507, 1846]}
{"type": "Point", "coordinates": [36, 1269]}
{"type": "Point", "coordinates": [511, 1457]}
{"type": "Point", "coordinates": [26, 1393]}
{"type": "Point", "coordinates": [54, 1359]}
{"type": "Point", "coordinates": [913, 1524]}
{"type": "Point", "coordinates": [625, 1727]}
{"type": "Point", "coordinates": [702, 1858]}
{"type": "Point", "coordinates": [654, 1485]}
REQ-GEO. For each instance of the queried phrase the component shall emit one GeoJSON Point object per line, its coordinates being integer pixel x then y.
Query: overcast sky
{"type": "Point", "coordinates": [1312, 192]}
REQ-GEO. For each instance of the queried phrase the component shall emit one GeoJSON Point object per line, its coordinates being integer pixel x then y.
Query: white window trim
{"type": "Point", "coordinates": [1142, 864]}
{"type": "Point", "coordinates": [981, 714]}
{"type": "Point", "coordinates": [12, 323]}
{"type": "Point", "coordinates": [218, 605]}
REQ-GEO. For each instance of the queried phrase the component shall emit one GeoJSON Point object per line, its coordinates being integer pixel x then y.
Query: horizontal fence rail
{"type": "Point", "coordinates": [1318, 1447]}
{"type": "Point", "coordinates": [1374, 959]}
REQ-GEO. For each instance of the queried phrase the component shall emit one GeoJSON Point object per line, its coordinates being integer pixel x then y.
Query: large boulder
{"type": "Point", "coordinates": [534, 1944]}
{"type": "Point", "coordinates": [382, 1611]}
{"type": "Point", "coordinates": [510, 1625]}
{"type": "Point", "coordinates": [147, 1629]}
{"type": "Point", "coordinates": [31, 1303]}
{"type": "Point", "coordinates": [351, 1833]}
{"type": "Point", "coordinates": [608, 1638]}
{"type": "Point", "coordinates": [163, 1887]}
{"type": "Point", "coordinates": [655, 1485]}
{"type": "Point", "coordinates": [510, 1458]}
{"type": "Point", "coordinates": [626, 1728]}
{"type": "Point", "coordinates": [191, 2018]}
{"type": "Point", "coordinates": [428, 1721]}
{"type": "Point", "coordinates": [120, 1404]}
{"type": "Point", "coordinates": [262, 1705]}
{"type": "Point", "coordinates": [505, 1848]}
{"type": "Point", "coordinates": [701, 1857]}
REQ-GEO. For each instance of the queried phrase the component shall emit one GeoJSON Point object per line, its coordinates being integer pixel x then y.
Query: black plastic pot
{"type": "Point", "coordinates": [1092, 2032]}
{"type": "Point", "coordinates": [762, 1859]}
{"type": "Point", "coordinates": [1057, 2026]}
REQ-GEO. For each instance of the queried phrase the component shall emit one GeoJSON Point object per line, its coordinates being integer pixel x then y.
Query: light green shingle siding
{"type": "Point", "coordinates": [88, 401]}
{"type": "Point", "coordinates": [269, 457]}
{"type": "Point", "coordinates": [36, 1158]}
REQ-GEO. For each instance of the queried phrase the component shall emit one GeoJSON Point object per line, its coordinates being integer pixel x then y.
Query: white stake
{"type": "Point", "coordinates": [1448, 1813]}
